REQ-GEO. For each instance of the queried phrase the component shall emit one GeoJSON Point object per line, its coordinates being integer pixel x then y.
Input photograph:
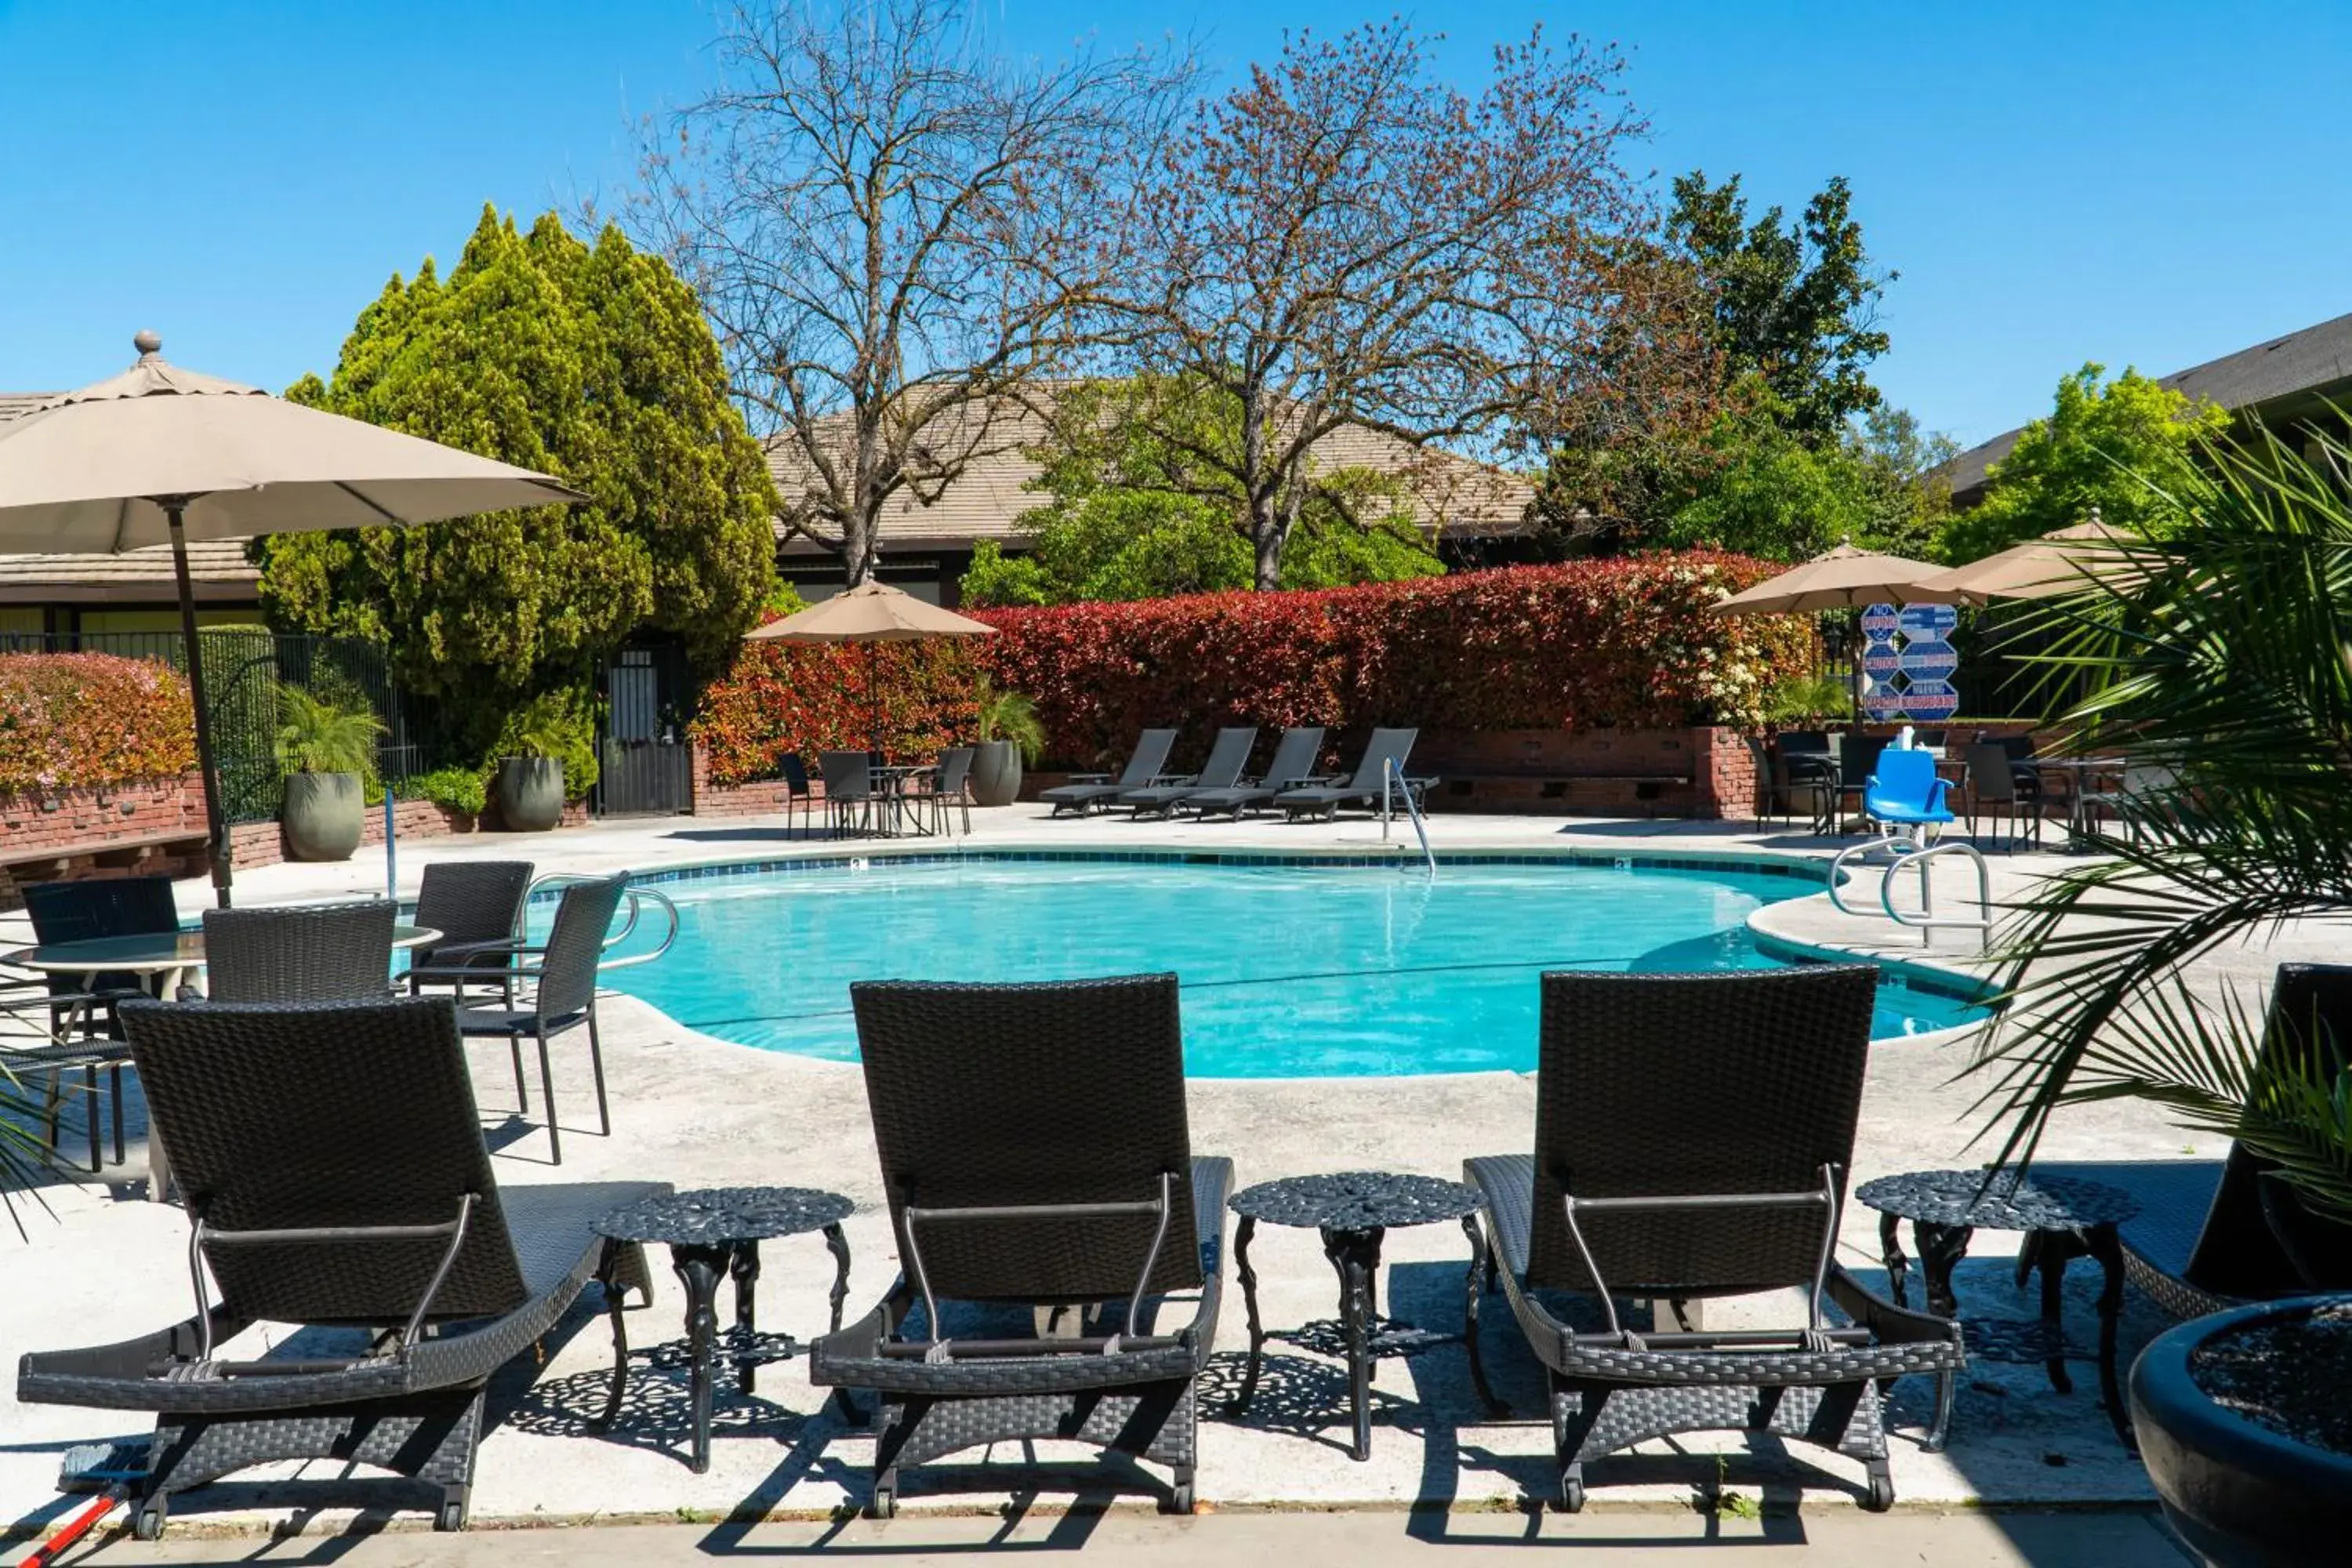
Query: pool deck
{"type": "Point", "coordinates": [700, 1111]}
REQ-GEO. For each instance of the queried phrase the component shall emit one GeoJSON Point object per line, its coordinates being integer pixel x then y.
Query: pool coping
{"type": "Point", "coordinates": [1912, 975]}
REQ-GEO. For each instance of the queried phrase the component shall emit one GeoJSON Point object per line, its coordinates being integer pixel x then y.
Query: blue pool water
{"type": "Point", "coordinates": [1287, 971]}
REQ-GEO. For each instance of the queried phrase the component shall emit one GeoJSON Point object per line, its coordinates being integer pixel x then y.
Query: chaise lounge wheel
{"type": "Point", "coordinates": [884, 1504]}
{"type": "Point", "coordinates": [1881, 1495]}
{"type": "Point", "coordinates": [1180, 1499]}
{"type": "Point", "coordinates": [451, 1518]}
{"type": "Point", "coordinates": [1571, 1494]}
{"type": "Point", "coordinates": [147, 1523]}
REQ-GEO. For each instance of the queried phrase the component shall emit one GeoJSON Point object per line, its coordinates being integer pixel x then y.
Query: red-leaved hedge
{"type": "Point", "coordinates": [70, 721]}
{"type": "Point", "coordinates": [782, 697]}
{"type": "Point", "coordinates": [1590, 645]}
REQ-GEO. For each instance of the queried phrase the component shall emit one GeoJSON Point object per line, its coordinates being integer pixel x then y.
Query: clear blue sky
{"type": "Point", "coordinates": [2152, 183]}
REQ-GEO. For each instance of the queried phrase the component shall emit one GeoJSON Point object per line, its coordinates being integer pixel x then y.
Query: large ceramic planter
{"type": "Point", "coordinates": [996, 774]}
{"type": "Point", "coordinates": [2240, 1494]}
{"type": "Point", "coordinates": [323, 815]}
{"type": "Point", "coordinates": [530, 793]}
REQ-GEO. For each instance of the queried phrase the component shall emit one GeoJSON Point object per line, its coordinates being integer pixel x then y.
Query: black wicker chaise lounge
{"type": "Point", "coordinates": [1148, 764]}
{"type": "Point", "coordinates": [299, 953]}
{"type": "Point", "coordinates": [1063, 1249]}
{"type": "Point", "coordinates": [1228, 756]}
{"type": "Point", "coordinates": [1325, 799]}
{"type": "Point", "coordinates": [336, 1179]}
{"type": "Point", "coordinates": [2211, 1235]}
{"type": "Point", "coordinates": [1293, 765]}
{"type": "Point", "coordinates": [1694, 1138]}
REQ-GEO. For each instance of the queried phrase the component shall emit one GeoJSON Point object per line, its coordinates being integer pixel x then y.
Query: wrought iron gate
{"type": "Point", "coordinates": [647, 764]}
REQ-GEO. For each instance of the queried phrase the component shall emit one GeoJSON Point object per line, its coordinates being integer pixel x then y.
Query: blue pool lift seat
{"type": "Point", "coordinates": [1903, 792]}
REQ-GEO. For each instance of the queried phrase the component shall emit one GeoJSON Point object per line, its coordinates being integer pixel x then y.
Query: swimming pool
{"type": "Point", "coordinates": [1288, 970]}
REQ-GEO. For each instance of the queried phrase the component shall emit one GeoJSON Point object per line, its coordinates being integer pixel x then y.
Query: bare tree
{"type": "Point", "coordinates": [1346, 239]}
{"type": "Point", "coordinates": [898, 234]}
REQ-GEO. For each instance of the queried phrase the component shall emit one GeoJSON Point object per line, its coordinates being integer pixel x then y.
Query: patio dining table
{"type": "Point", "coordinates": [893, 814]}
{"type": "Point", "coordinates": [2081, 772]}
{"type": "Point", "coordinates": [162, 961]}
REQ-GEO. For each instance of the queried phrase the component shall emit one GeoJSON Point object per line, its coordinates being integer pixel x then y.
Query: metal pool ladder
{"type": "Point", "coordinates": [1924, 920]}
{"type": "Point", "coordinates": [1391, 786]}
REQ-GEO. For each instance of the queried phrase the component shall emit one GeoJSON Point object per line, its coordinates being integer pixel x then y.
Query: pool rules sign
{"type": "Point", "coordinates": [1908, 663]}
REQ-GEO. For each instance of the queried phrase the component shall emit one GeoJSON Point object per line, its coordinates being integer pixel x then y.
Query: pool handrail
{"type": "Point", "coordinates": [635, 896]}
{"type": "Point", "coordinates": [1392, 783]}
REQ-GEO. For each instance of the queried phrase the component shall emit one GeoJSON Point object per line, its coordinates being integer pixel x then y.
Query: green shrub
{"type": "Point", "coordinates": [453, 789]}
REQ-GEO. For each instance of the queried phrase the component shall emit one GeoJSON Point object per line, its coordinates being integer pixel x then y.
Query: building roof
{"type": "Point", "coordinates": [217, 569]}
{"type": "Point", "coordinates": [1459, 497]}
{"type": "Point", "coordinates": [2285, 377]}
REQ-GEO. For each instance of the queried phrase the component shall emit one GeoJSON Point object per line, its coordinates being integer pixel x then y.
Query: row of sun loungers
{"type": "Point", "coordinates": [1290, 780]}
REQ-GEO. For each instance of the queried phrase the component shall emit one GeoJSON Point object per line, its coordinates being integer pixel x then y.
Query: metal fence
{"type": "Point", "coordinates": [245, 668]}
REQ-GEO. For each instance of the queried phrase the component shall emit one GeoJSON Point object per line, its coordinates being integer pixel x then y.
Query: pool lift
{"type": "Point", "coordinates": [1393, 786]}
{"type": "Point", "coordinates": [1907, 802]}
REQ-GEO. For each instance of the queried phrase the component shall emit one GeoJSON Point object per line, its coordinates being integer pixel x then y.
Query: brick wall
{"type": "Point", "coordinates": [763, 797]}
{"type": "Point", "coordinates": [83, 832]}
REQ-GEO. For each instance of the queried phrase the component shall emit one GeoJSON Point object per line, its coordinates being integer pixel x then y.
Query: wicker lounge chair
{"type": "Point", "coordinates": [1293, 765]}
{"type": "Point", "coordinates": [83, 912]}
{"type": "Point", "coordinates": [1035, 1157]}
{"type": "Point", "coordinates": [1095, 791]}
{"type": "Point", "coordinates": [1325, 799]}
{"type": "Point", "coordinates": [1647, 1184]}
{"type": "Point", "coordinates": [1228, 756]}
{"type": "Point", "coordinates": [2203, 1240]}
{"type": "Point", "coordinates": [336, 1178]}
{"type": "Point", "coordinates": [563, 992]}
{"type": "Point", "coordinates": [317, 953]}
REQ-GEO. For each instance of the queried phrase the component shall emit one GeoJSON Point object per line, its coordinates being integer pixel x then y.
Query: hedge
{"type": "Point", "coordinates": [1590, 645]}
{"type": "Point", "coordinates": [782, 697]}
{"type": "Point", "coordinates": [72, 721]}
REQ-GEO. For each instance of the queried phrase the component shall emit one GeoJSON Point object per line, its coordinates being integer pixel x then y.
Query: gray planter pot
{"type": "Point", "coordinates": [996, 774]}
{"type": "Point", "coordinates": [323, 815]}
{"type": "Point", "coordinates": [530, 793]}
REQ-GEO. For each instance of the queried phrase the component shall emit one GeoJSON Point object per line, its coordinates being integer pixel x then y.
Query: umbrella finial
{"type": "Point", "coordinates": [148, 341]}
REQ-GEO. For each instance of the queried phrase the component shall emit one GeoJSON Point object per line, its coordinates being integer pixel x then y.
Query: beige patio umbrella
{"type": "Point", "coordinates": [160, 455]}
{"type": "Point", "coordinates": [872, 613]}
{"type": "Point", "coordinates": [2057, 562]}
{"type": "Point", "coordinates": [1840, 579]}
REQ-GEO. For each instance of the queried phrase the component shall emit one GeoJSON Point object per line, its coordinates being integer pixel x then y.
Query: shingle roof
{"type": "Point", "coordinates": [217, 569]}
{"type": "Point", "coordinates": [1458, 495]}
{"type": "Point", "coordinates": [2299, 367]}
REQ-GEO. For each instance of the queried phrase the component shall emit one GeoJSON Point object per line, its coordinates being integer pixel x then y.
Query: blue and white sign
{"type": "Point", "coordinates": [1881, 662]}
{"type": "Point", "coordinates": [1928, 623]}
{"type": "Point", "coordinates": [1929, 700]}
{"type": "Point", "coordinates": [1929, 661]}
{"type": "Point", "coordinates": [1880, 622]}
{"type": "Point", "coordinates": [1881, 702]}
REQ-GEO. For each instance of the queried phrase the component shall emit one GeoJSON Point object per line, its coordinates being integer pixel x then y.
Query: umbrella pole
{"type": "Point", "coordinates": [206, 767]}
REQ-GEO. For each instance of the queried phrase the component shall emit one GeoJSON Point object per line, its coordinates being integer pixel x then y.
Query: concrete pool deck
{"type": "Point", "coordinates": [699, 1112]}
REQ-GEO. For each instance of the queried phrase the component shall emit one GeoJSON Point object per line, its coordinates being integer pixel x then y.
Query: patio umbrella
{"type": "Point", "coordinates": [2057, 562]}
{"type": "Point", "coordinates": [872, 613]}
{"type": "Point", "coordinates": [160, 455]}
{"type": "Point", "coordinates": [1840, 579]}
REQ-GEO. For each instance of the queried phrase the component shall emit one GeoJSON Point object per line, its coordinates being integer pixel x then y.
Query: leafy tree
{"type": "Point", "coordinates": [2097, 449]}
{"type": "Point", "coordinates": [595, 364]}
{"type": "Point", "coordinates": [899, 231]}
{"type": "Point", "coordinates": [1145, 504]}
{"type": "Point", "coordinates": [1346, 239]}
{"type": "Point", "coordinates": [1776, 496]}
{"type": "Point", "coordinates": [1796, 305]}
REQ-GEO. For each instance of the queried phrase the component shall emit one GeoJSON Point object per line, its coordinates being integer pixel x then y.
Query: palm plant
{"type": "Point", "coordinates": [1007, 716]}
{"type": "Point", "coordinates": [319, 736]}
{"type": "Point", "coordinates": [2216, 662]}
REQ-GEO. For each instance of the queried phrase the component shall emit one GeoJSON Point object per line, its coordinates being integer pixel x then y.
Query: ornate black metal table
{"type": "Point", "coordinates": [712, 1235]}
{"type": "Point", "coordinates": [2062, 1218]}
{"type": "Point", "coordinates": [1354, 1210]}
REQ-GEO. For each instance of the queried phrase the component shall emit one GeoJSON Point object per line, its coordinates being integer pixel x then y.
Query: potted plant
{"type": "Point", "coordinates": [531, 782]}
{"type": "Point", "coordinates": [1009, 731]}
{"type": "Point", "coordinates": [2215, 659]}
{"type": "Point", "coordinates": [326, 753]}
